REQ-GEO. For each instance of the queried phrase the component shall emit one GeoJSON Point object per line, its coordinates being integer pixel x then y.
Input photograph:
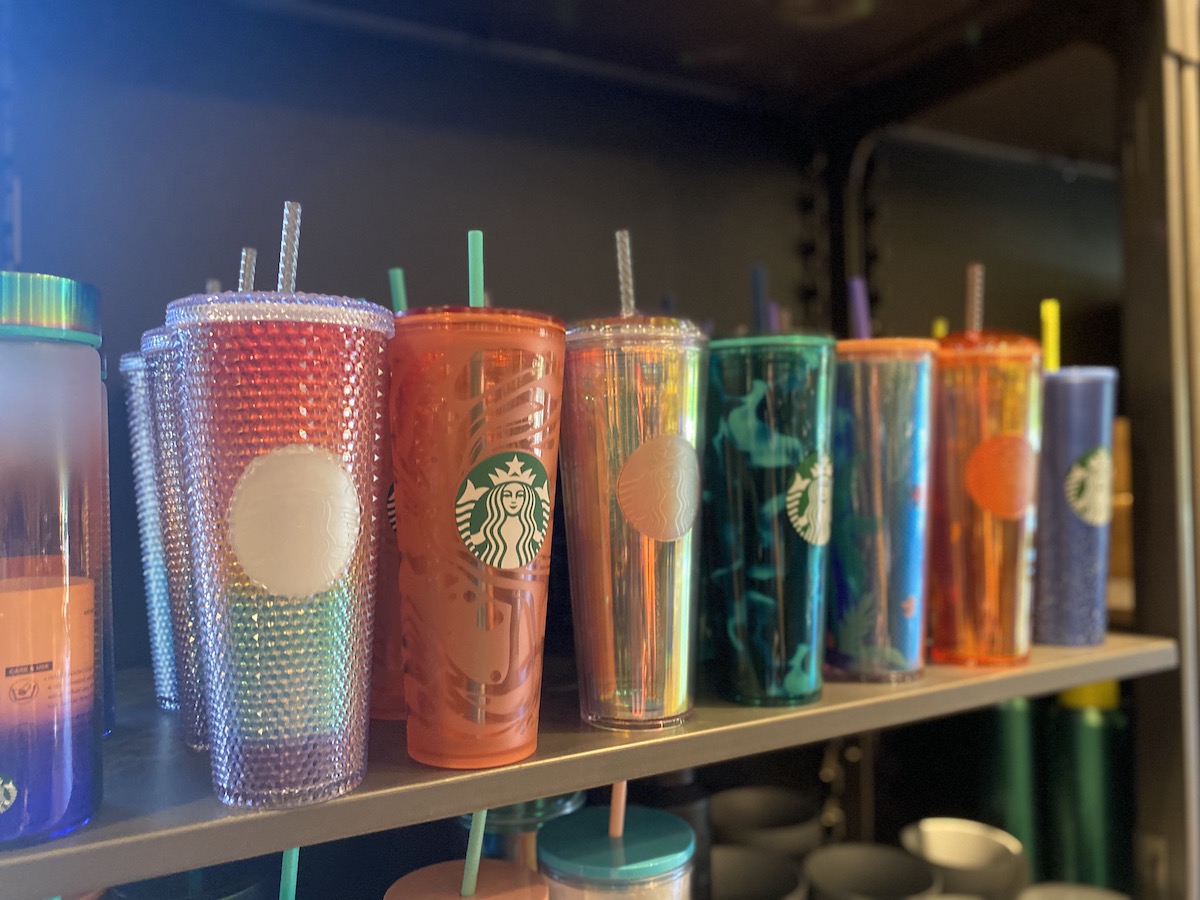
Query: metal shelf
{"type": "Point", "coordinates": [160, 815]}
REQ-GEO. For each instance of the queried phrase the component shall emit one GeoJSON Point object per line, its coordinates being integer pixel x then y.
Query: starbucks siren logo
{"type": "Point", "coordinates": [503, 509]}
{"type": "Point", "coordinates": [8, 793]}
{"type": "Point", "coordinates": [810, 499]}
{"type": "Point", "coordinates": [1089, 486]}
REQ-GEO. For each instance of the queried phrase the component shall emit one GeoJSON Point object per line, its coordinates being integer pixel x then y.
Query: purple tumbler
{"type": "Point", "coordinates": [1074, 506]}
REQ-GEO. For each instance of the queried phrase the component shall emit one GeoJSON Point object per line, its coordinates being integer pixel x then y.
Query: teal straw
{"type": "Point", "coordinates": [474, 852]}
{"type": "Point", "coordinates": [287, 875]}
{"type": "Point", "coordinates": [475, 267]}
{"type": "Point", "coordinates": [399, 294]}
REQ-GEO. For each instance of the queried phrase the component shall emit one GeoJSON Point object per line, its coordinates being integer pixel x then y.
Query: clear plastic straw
{"type": "Point", "coordinates": [212, 285]}
{"type": "Point", "coordinates": [289, 247]}
{"type": "Point", "coordinates": [246, 270]}
{"type": "Point", "coordinates": [474, 852]}
{"type": "Point", "coordinates": [616, 809]}
{"type": "Point", "coordinates": [974, 296]}
{"type": "Point", "coordinates": [625, 272]}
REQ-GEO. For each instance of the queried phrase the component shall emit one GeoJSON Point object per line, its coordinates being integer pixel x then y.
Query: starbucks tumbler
{"type": "Point", "coordinates": [50, 555]}
{"type": "Point", "coordinates": [882, 433]}
{"type": "Point", "coordinates": [988, 416]}
{"type": "Point", "coordinates": [160, 354]}
{"type": "Point", "coordinates": [281, 423]}
{"type": "Point", "coordinates": [651, 860]}
{"type": "Point", "coordinates": [631, 479]}
{"type": "Point", "coordinates": [475, 405]}
{"type": "Point", "coordinates": [154, 565]}
{"type": "Point", "coordinates": [511, 831]}
{"type": "Point", "coordinates": [1074, 506]}
{"type": "Point", "coordinates": [768, 511]}
{"type": "Point", "coordinates": [387, 645]}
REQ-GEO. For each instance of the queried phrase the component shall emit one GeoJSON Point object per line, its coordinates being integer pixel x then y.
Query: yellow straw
{"type": "Point", "coordinates": [941, 327]}
{"type": "Point", "coordinates": [1050, 333]}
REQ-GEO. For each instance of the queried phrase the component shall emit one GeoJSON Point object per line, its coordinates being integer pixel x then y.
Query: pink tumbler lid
{"type": "Point", "coordinates": [498, 880]}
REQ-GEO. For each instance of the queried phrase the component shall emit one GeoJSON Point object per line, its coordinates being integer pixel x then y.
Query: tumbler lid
{"type": "Point", "coordinates": [908, 347]}
{"type": "Point", "coordinates": [48, 307]}
{"type": "Point", "coordinates": [275, 306]}
{"type": "Point", "coordinates": [498, 880]}
{"type": "Point", "coordinates": [968, 345]}
{"type": "Point", "coordinates": [578, 847]}
{"type": "Point", "coordinates": [523, 817]}
{"type": "Point", "coordinates": [635, 329]}
{"type": "Point", "coordinates": [785, 340]}
{"type": "Point", "coordinates": [157, 340]}
{"type": "Point", "coordinates": [1103, 695]}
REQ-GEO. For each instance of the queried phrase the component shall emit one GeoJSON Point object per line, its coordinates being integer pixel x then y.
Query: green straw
{"type": "Point", "coordinates": [475, 268]}
{"type": "Point", "coordinates": [399, 294]}
{"type": "Point", "coordinates": [474, 845]}
{"type": "Point", "coordinates": [287, 875]}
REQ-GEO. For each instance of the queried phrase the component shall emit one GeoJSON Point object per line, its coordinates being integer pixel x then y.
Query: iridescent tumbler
{"type": "Point", "coordinates": [154, 563]}
{"type": "Point", "coordinates": [988, 434]}
{"type": "Point", "coordinates": [282, 416]}
{"type": "Point", "coordinates": [1075, 506]}
{"type": "Point", "coordinates": [882, 435]}
{"type": "Point", "coordinates": [633, 403]}
{"type": "Point", "coordinates": [159, 353]}
{"type": "Point", "coordinates": [768, 510]}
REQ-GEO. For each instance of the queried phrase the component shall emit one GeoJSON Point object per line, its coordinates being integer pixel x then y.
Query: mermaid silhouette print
{"type": "Point", "coordinates": [503, 523]}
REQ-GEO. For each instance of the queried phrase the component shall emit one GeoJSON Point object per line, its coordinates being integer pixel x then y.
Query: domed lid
{"type": "Point", "coordinates": [578, 846]}
{"type": "Point", "coordinates": [635, 329]}
{"type": "Point", "coordinates": [963, 346]}
{"type": "Point", "coordinates": [48, 307]}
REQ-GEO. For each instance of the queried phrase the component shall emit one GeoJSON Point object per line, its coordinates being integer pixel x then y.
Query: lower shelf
{"type": "Point", "coordinates": [160, 815]}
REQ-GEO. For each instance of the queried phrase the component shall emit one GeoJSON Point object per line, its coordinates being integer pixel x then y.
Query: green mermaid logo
{"type": "Point", "coordinates": [1089, 486]}
{"type": "Point", "coordinates": [503, 509]}
{"type": "Point", "coordinates": [810, 499]}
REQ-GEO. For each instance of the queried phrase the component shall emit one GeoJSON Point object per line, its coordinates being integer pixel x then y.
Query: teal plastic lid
{"type": "Point", "coordinates": [577, 847]}
{"type": "Point", "coordinates": [47, 307]}
{"type": "Point", "coordinates": [771, 340]}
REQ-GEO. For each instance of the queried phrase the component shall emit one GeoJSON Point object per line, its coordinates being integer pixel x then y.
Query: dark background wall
{"type": "Point", "coordinates": [155, 139]}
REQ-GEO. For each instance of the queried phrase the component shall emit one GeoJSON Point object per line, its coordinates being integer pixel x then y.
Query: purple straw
{"type": "Point", "coordinates": [860, 307]}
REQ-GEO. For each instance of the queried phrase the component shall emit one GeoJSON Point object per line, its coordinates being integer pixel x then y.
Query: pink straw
{"type": "Point", "coordinates": [616, 812]}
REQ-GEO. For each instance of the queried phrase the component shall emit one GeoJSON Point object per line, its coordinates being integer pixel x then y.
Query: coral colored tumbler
{"type": "Point", "coordinates": [475, 404]}
{"type": "Point", "coordinates": [282, 428]}
{"type": "Point", "coordinates": [989, 416]}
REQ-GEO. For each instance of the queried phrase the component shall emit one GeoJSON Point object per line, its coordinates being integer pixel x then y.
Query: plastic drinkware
{"type": "Point", "coordinates": [652, 860]}
{"type": "Point", "coordinates": [631, 479]}
{"type": "Point", "coordinates": [50, 555]}
{"type": "Point", "coordinates": [882, 433]}
{"type": "Point", "coordinates": [282, 430]}
{"type": "Point", "coordinates": [160, 354]}
{"type": "Point", "coordinates": [768, 506]}
{"type": "Point", "coordinates": [154, 563]}
{"type": "Point", "coordinates": [475, 404]}
{"type": "Point", "coordinates": [988, 434]}
{"type": "Point", "coordinates": [1074, 506]}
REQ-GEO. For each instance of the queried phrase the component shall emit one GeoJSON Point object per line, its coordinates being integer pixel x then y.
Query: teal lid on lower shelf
{"type": "Point", "coordinates": [577, 847]}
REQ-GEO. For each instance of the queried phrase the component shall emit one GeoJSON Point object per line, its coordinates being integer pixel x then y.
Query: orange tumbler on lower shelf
{"type": "Point", "coordinates": [988, 395]}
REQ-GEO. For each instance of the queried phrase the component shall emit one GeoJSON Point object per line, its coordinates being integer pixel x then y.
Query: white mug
{"type": "Point", "coordinates": [867, 872]}
{"type": "Point", "coordinates": [971, 857]}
